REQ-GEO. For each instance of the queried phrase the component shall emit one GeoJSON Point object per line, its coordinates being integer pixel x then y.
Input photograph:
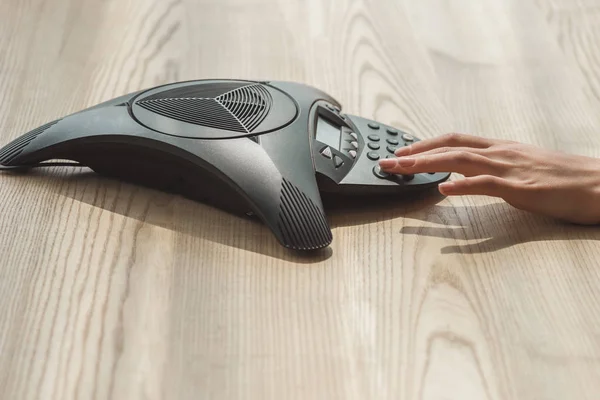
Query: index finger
{"type": "Point", "coordinates": [448, 140]}
{"type": "Point", "coordinates": [462, 162]}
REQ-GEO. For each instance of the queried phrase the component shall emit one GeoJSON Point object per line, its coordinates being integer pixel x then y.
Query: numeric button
{"type": "Point", "coordinates": [373, 125]}
{"type": "Point", "coordinates": [408, 137]}
{"type": "Point", "coordinates": [374, 146]}
{"type": "Point", "coordinates": [373, 138]}
{"type": "Point", "coordinates": [393, 141]}
{"type": "Point", "coordinates": [378, 172]}
{"type": "Point", "coordinates": [373, 155]}
{"type": "Point", "coordinates": [392, 132]}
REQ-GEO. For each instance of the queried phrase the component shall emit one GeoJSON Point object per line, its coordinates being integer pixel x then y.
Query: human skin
{"type": "Point", "coordinates": [541, 181]}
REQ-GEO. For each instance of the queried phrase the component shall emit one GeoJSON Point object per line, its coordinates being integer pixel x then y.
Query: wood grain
{"type": "Point", "coordinates": [113, 291]}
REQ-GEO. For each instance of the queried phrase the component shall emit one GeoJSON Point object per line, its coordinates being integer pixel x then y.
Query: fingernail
{"type": "Point", "coordinates": [406, 162]}
{"type": "Point", "coordinates": [446, 187]}
{"type": "Point", "coordinates": [387, 163]}
{"type": "Point", "coordinates": [402, 151]}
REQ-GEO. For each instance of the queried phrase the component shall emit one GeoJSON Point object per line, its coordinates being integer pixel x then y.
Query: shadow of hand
{"type": "Point", "coordinates": [497, 226]}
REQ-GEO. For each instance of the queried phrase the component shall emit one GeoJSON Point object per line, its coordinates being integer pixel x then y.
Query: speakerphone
{"type": "Point", "coordinates": [268, 149]}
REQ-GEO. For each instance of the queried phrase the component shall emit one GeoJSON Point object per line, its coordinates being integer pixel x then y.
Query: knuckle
{"type": "Point", "coordinates": [453, 138]}
{"type": "Point", "coordinates": [441, 150]}
{"type": "Point", "coordinates": [490, 182]}
{"type": "Point", "coordinates": [533, 187]}
{"type": "Point", "coordinates": [505, 151]}
{"type": "Point", "coordinates": [463, 157]}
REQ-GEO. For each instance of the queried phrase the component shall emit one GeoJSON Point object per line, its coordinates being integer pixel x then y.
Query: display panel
{"type": "Point", "coordinates": [328, 133]}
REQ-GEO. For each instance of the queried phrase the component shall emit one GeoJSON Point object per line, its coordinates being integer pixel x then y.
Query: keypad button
{"type": "Point", "coordinates": [354, 135]}
{"type": "Point", "coordinates": [379, 172]}
{"type": "Point", "coordinates": [352, 153]}
{"type": "Point", "coordinates": [408, 137]}
{"type": "Point", "coordinates": [392, 141]}
{"type": "Point", "coordinates": [373, 155]}
{"type": "Point", "coordinates": [391, 149]}
{"type": "Point", "coordinates": [354, 144]}
{"type": "Point", "coordinates": [373, 125]}
{"type": "Point", "coordinates": [431, 173]}
{"type": "Point", "coordinates": [392, 132]}
{"type": "Point", "coordinates": [337, 161]}
{"type": "Point", "coordinates": [374, 146]}
{"type": "Point", "coordinates": [373, 138]}
{"type": "Point", "coordinates": [326, 152]}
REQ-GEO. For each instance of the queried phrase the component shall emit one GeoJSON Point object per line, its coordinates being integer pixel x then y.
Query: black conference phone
{"type": "Point", "coordinates": [262, 148]}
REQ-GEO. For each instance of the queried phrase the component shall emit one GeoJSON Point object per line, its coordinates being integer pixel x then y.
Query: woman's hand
{"type": "Point", "coordinates": [551, 183]}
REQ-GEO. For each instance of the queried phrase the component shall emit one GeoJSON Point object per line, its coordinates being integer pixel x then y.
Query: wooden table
{"type": "Point", "coordinates": [109, 290]}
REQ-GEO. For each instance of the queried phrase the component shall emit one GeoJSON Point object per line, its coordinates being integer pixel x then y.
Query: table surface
{"type": "Point", "coordinates": [110, 290]}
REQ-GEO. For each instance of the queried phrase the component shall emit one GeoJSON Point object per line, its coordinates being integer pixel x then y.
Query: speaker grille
{"type": "Point", "coordinates": [9, 152]}
{"type": "Point", "coordinates": [198, 111]}
{"type": "Point", "coordinates": [228, 106]}
{"type": "Point", "coordinates": [249, 104]}
{"type": "Point", "coordinates": [204, 90]}
{"type": "Point", "coordinates": [301, 223]}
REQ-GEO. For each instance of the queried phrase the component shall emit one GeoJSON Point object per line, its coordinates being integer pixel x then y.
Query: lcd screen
{"type": "Point", "coordinates": [328, 133]}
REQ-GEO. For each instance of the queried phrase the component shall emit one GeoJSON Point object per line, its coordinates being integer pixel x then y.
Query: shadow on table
{"type": "Point", "coordinates": [209, 223]}
{"type": "Point", "coordinates": [497, 226]}
{"type": "Point", "coordinates": [182, 215]}
{"type": "Point", "coordinates": [361, 210]}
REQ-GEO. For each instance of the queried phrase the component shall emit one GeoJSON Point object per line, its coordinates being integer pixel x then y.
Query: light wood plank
{"type": "Point", "coordinates": [109, 290]}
